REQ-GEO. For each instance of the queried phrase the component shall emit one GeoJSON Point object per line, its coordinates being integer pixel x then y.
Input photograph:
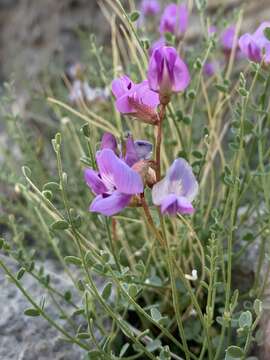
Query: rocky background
{"type": "Point", "coordinates": [37, 33]}
{"type": "Point", "coordinates": [34, 35]}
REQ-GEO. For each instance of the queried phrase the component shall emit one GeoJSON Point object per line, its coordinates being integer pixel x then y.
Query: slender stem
{"type": "Point", "coordinates": [175, 294]}
{"type": "Point", "coordinates": [150, 220]}
{"type": "Point", "coordinates": [112, 244]}
{"type": "Point", "coordinates": [159, 140]}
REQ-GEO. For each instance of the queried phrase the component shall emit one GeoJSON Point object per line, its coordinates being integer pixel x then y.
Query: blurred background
{"type": "Point", "coordinates": [37, 34]}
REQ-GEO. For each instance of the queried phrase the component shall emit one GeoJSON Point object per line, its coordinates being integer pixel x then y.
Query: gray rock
{"type": "Point", "coordinates": [31, 338]}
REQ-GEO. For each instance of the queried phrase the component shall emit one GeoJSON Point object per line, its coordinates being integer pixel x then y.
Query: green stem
{"type": "Point", "coordinates": [174, 292]}
{"type": "Point", "coordinates": [112, 247]}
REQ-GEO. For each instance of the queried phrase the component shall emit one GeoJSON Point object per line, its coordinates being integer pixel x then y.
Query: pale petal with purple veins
{"type": "Point", "coordinates": [160, 191]}
{"type": "Point", "coordinates": [182, 179]}
{"type": "Point", "coordinates": [143, 149]}
{"type": "Point", "coordinates": [175, 192]}
{"type": "Point", "coordinates": [94, 182]}
{"type": "Point", "coordinates": [173, 204]}
{"type": "Point", "coordinates": [169, 205]}
{"type": "Point", "coordinates": [184, 205]}
{"type": "Point", "coordinates": [136, 151]}
{"type": "Point", "coordinates": [111, 204]}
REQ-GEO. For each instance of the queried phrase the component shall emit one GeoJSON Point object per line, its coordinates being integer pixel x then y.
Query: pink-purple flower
{"type": "Point", "coordinates": [174, 20]}
{"type": "Point", "coordinates": [167, 72]}
{"type": "Point", "coordinates": [210, 68]}
{"type": "Point", "coordinates": [137, 100]}
{"type": "Point", "coordinates": [175, 193]}
{"type": "Point", "coordinates": [227, 37]}
{"type": "Point", "coordinates": [256, 46]}
{"type": "Point", "coordinates": [228, 41]}
{"type": "Point", "coordinates": [115, 182]}
{"type": "Point", "coordinates": [150, 7]}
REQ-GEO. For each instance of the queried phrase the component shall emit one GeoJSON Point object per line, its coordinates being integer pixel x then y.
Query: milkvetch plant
{"type": "Point", "coordinates": [158, 195]}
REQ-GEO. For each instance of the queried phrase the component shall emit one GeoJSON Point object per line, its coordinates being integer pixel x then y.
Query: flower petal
{"type": "Point", "coordinates": [181, 75]}
{"type": "Point", "coordinates": [143, 149]}
{"type": "Point", "coordinates": [184, 205]}
{"type": "Point", "coordinates": [169, 205]}
{"type": "Point", "coordinates": [150, 7]}
{"type": "Point", "coordinates": [131, 156]}
{"type": "Point", "coordinates": [111, 204]}
{"type": "Point", "coordinates": [123, 105]}
{"type": "Point", "coordinates": [94, 181]}
{"type": "Point", "coordinates": [227, 37]}
{"type": "Point", "coordinates": [249, 48]}
{"type": "Point", "coordinates": [116, 172]}
{"type": "Point", "coordinates": [167, 72]}
{"type": "Point", "coordinates": [160, 191]}
{"type": "Point", "coordinates": [174, 19]}
{"type": "Point", "coordinates": [182, 181]}
{"type": "Point", "coordinates": [143, 94]}
{"type": "Point", "coordinates": [108, 142]}
{"type": "Point", "coordinates": [121, 86]}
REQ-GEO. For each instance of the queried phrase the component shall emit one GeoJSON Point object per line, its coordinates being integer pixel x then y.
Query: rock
{"type": "Point", "coordinates": [36, 34]}
{"type": "Point", "coordinates": [31, 338]}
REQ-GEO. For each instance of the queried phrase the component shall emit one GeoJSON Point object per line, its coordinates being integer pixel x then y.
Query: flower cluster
{"type": "Point", "coordinates": [150, 7]}
{"type": "Point", "coordinates": [124, 171]}
{"type": "Point", "coordinates": [256, 47]}
{"type": "Point", "coordinates": [174, 20]}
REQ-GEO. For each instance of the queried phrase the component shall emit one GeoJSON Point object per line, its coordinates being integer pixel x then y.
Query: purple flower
{"type": "Point", "coordinates": [167, 72]}
{"type": "Point", "coordinates": [114, 184]}
{"type": "Point", "coordinates": [256, 47]}
{"type": "Point", "coordinates": [136, 151]}
{"type": "Point", "coordinates": [175, 193]}
{"type": "Point", "coordinates": [174, 20]}
{"type": "Point", "coordinates": [210, 68]}
{"type": "Point", "coordinates": [228, 41]}
{"type": "Point", "coordinates": [227, 37]}
{"type": "Point", "coordinates": [136, 99]}
{"type": "Point", "coordinates": [116, 181]}
{"type": "Point", "coordinates": [212, 30]}
{"type": "Point", "coordinates": [131, 152]}
{"type": "Point", "coordinates": [108, 141]}
{"type": "Point", "coordinates": [150, 7]}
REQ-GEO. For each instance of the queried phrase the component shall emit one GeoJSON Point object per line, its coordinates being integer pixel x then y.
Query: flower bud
{"type": "Point", "coordinates": [167, 72]}
{"type": "Point", "coordinates": [145, 169]}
